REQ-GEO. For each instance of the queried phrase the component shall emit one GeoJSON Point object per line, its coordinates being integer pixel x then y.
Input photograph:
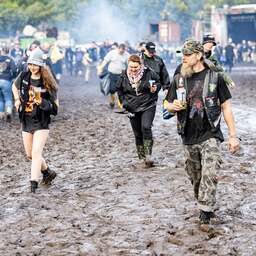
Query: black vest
{"type": "Point", "coordinates": [210, 99]}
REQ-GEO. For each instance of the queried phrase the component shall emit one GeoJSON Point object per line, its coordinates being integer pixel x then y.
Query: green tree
{"type": "Point", "coordinates": [15, 14]}
{"type": "Point", "coordinates": [220, 3]}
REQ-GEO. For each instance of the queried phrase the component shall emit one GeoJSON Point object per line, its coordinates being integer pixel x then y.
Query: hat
{"type": "Point", "coordinates": [36, 57]}
{"type": "Point", "coordinates": [209, 39]}
{"type": "Point", "coordinates": [151, 47]}
{"type": "Point", "coordinates": [192, 46]}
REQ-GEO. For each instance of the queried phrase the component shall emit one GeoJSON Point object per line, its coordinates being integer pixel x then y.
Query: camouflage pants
{"type": "Point", "coordinates": [202, 162]}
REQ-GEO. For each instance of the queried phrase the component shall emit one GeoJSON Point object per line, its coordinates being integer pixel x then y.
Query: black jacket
{"type": "Point", "coordinates": [157, 64]}
{"type": "Point", "coordinates": [141, 100]}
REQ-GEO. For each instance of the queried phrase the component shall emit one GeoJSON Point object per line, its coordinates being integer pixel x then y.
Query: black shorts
{"type": "Point", "coordinates": [31, 125]}
{"type": "Point", "coordinates": [113, 81]}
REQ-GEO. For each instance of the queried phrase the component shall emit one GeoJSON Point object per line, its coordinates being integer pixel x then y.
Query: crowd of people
{"type": "Point", "coordinates": [197, 94]}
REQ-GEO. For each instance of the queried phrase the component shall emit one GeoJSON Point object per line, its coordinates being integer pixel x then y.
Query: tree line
{"type": "Point", "coordinates": [15, 14]}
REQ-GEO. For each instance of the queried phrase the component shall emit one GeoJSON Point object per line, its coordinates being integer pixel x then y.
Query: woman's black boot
{"type": "Point", "coordinates": [34, 186]}
{"type": "Point", "coordinates": [48, 176]}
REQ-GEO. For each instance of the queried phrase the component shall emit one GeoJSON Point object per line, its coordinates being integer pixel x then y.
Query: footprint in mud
{"type": "Point", "coordinates": [211, 230]}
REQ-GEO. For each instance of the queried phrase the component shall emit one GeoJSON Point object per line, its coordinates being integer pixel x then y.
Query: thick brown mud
{"type": "Point", "coordinates": [103, 202]}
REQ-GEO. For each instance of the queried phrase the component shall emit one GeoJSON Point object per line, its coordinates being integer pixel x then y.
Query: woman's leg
{"type": "Point", "coordinates": [136, 127]}
{"type": "Point", "coordinates": [27, 142]}
{"type": "Point", "coordinates": [147, 119]}
{"type": "Point", "coordinates": [44, 165]}
{"type": "Point", "coordinates": [39, 140]}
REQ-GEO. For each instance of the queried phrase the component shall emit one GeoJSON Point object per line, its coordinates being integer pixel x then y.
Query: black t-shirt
{"type": "Point", "coordinates": [198, 128]}
{"type": "Point", "coordinates": [31, 121]}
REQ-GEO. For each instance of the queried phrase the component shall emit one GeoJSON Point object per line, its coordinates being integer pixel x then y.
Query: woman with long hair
{"type": "Point", "coordinates": [35, 95]}
{"type": "Point", "coordinates": [138, 90]}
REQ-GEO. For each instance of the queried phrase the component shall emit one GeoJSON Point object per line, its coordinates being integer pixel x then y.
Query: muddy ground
{"type": "Point", "coordinates": [104, 203]}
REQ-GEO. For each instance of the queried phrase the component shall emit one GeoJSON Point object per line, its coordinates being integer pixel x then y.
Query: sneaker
{"type": "Point", "coordinates": [48, 176]}
{"type": "Point", "coordinates": [205, 217]}
{"type": "Point", "coordinates": [34, 186]}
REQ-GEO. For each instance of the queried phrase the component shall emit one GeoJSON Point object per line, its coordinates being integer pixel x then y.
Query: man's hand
{"type": "Point", "coordinates": [177, 105]}
{"type": "Point", "coordinates": [153, 88]}
{"type": "Point", "coordinates": [233, 144]}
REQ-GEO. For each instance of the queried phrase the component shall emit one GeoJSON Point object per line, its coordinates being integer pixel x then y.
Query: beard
{"type": "Point", "coordinates": [186, 70]}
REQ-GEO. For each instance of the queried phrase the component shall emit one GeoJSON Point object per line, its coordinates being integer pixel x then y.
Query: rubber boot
{"type": "Point", "coordinates": [140, 151]}
{"type": "Point", "coordinates": [112, 101]}
{"type": "Point", "coordinates": [148, 144]}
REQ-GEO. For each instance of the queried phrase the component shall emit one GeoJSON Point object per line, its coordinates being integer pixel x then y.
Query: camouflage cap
{"type": "Point", "coordinates": [192, 46]}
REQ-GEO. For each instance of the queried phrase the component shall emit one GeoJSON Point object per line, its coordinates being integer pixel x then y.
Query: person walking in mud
{"type": "Point", "coordinates": [137, 90]}
{"type": "Point", "coordinates": [117, 62]}
{"type": "Point", "coordinates": [208, 44]}
{"type": "Point", "coordinates": [210, 60]}
{"type": "Point", "coordinates": [230, 55]}
{"type": "Point", "coordinates": [153, 61]}
{"type": "Point", "coordinates": [198, 95]}
{"type": "Point", "coordinates": [35, 94]}
{"type": "Point", "coordinates": [7, 73]}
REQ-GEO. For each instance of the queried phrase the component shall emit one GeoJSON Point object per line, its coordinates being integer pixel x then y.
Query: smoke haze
{"type": "Point", "coordinates": [102, 20]}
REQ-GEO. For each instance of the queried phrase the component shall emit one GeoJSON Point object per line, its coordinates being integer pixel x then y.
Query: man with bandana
{"type": "Point", "coordinates": [205, 97]}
